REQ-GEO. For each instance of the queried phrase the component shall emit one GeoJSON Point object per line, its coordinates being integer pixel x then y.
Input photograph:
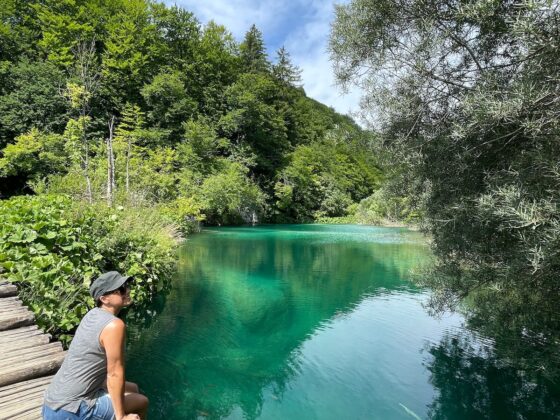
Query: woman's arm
{"type": "Point", "coordinates": [112, 339]}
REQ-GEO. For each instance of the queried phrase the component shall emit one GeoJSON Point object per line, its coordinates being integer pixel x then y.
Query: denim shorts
{"type": "Point", "coordinates": [101, 410]}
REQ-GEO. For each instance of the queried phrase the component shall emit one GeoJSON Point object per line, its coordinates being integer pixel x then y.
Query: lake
{"type": "Point", "coordinates": [315, 322]}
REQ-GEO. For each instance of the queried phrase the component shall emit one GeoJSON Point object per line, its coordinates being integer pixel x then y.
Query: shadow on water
{"type": "Point", "coordinates": [244, 302]}
{"type": "Point", "coordinates": [475, 382]}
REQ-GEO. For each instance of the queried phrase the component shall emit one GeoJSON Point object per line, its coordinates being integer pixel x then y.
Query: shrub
{"type": "Point", "coordinates": [52, 248]}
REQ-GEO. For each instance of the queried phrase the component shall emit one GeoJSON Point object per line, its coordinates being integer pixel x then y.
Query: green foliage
{"type": "Point", "coordinates": [131, 50]}
{"type": "Point", "coordinates": [385, 208]}
{"type": "Point", "coordinates": [284, 70]}
{"type": "Point", "coordinates": [31, 98]}
{"type": "Point", "coordinates": [182, 97]}
{"type": "Point", "coordinates": [216, 66]}
{"type": "Point", "coordinates": [63, 24]}
{"type": "Point", "coordinates": [230, 197]}
{"type": "Point", "coordinates": [186, 213]}
{"type": "Point", "coordinates": [254, 115]}
{"type": "Point", "coordinates": [34, 155]}
{"type": "Point", "coordinates": [136, 104]}
{"type": "Point", "coordinates": [469, 108]}
{"type": "Point", "coordinates": [180, 32]}
{"type": "Point", "coordinates": [168, 101]}
{"type": "Point", "coordinates": [252, 52]}
{"type": "Point", "coordinates": [322, 180]}
{"type": "Point", "coordinates": [52, 249]}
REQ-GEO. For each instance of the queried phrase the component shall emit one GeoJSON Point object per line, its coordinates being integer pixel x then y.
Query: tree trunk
{"type": "Point", "coordinates": [89, 194]}
{"type": "Point", "coordinates": [110, 164]}
{"type": "Point", "coordinates": [127, 165]}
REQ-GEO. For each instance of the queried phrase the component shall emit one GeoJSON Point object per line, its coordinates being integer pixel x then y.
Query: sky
{"type": "Point", "coordinates": [302, 26]}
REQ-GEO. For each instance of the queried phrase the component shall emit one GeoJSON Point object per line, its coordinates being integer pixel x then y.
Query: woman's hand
{"type": "Point", "coordinates": [131, 417]}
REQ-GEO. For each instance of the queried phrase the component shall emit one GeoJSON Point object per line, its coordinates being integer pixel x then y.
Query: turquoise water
{"type": "Point", "coordinates": [312, 322]}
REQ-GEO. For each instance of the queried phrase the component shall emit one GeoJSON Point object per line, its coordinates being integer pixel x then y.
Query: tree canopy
{"type": "Point", "coordinates": [465, 97]}
{"type": "Point", "coordinates": [137, 99]}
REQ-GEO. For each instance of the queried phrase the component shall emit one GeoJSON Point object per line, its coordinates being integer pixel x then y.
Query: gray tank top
{"type": "Point", "coordinates": [84, 369]}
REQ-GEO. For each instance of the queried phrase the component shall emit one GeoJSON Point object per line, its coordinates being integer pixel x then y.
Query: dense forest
{"type": "Point", "coordinates": [466, 98]}
{"type": "Point", "coordinates": [133, 100]}
{"type": "Point", "coordinates": [124, 124]}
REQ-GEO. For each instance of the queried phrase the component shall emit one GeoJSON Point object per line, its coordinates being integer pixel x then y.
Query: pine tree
{"type": "Point", "coordinates": [253, 54]}
{"type": "Point", "coordinates": [284, 70]}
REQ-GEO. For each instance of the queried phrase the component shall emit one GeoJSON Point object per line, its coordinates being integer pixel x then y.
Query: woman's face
{"type": "Point", "coordinates": [118, 298]}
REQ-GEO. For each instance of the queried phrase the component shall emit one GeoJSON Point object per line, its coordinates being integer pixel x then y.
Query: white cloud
{"type": "Point", "coordinates": [237, 15]}
{"type": "Point", "coordinates": [307, 41]}
{"type": "Point", "coordinates": [308, 47]}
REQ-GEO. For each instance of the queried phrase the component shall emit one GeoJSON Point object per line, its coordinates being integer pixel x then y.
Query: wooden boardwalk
{"type": "Point", "coordinates": [28, 359]}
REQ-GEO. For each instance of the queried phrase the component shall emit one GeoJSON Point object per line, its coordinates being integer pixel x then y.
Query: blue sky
{"type": "Point", "coordinates": [302, 26]}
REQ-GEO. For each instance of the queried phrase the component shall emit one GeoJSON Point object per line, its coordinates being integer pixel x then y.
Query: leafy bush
{"type": "Point", "coordinates": [322, 180]}
{"type": "Point", "coordinates": [185, 212]}
{"type": "Point", "coordinates": [230, 196]}
{"type": "Point", "coordinates": [383, 207]}
{"type": "Point", "coordinates": [52, 248]}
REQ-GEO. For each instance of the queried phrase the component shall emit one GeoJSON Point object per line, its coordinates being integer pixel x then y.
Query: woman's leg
{"type": "Point", "coordinates": [136, 403]}
{"type": "Point", "coordinates": [131, 387]}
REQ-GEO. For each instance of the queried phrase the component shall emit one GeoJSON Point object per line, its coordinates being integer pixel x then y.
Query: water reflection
{"type": "Point", "coordinates": [245, 302]}
{"type": "Point", "coordinates": [321, 322]}
{"type": "Point", "coordinates": [474, 382]}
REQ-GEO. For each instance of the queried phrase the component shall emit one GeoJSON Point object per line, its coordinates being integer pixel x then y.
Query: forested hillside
{"type": "Point", "coordinates": [126, 123]}
{"type": "Point", "coordinates": [137, 101]}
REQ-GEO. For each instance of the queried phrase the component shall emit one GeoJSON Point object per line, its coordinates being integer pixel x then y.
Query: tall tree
{"type": "Point", "coordinates": [80, 94]}
{"type": "Point", "coordinates": [284, 70]}
{"type": "Point", "coordinates": [253, 53]}
{"type": "Point", "coordinates": [179, 33]}
{"type": "Point", "coordinates": [131, 53]}
{"type": "Point", "coordinates": [216, 66]}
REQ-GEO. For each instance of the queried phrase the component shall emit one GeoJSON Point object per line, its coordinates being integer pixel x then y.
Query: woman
{"type": "Point", "coordinates": [91, 384]}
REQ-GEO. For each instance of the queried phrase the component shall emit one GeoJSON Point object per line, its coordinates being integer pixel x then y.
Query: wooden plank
{"type": "Point", "coordinates": [4, 306]}
{"type": "Point", "coordinates": [7, 290]}
{"type": "Point", "coordinates": [22, 407]}
{"type": "Point", "coordinates": [29, 354]}
{"type": "Point", "coordinates": [21, 358]}
{"type": "Point", "coordinates": [20, 396]}
{"type": "Point", "coordinates": [12, 308]}
{"type": "Point", "coordinates": [4, 312]}
{"type": "Point", "coordinates": [38, 367]}
{"type": "Point", "coordinates": [24, 343]}
{"type": "Point", "coordinates": [32, 414]}
{"type": "Point", "coordinates": [16, 331]}
{"type": "Point", "coordinates": [20, 335]}
{"type": "Point", "coordinates": [19, 321]}
{"type": "Point", "coordinates": [12, 389]}
{"type": "Point", "coordinates": [10, 301]}
{"type": "Point", "coordinates": [6, 341]}
{"type": "Point", "coordinates": [4, 317]}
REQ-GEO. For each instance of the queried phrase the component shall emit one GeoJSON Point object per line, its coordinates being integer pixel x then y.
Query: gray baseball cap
{"type": "Point", "coordinates": [107, 282]}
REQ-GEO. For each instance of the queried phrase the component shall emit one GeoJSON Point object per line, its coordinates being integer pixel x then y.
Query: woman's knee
{"type": "Point", "coordinates": [131, 387]}
{"type": "Point", "coordinates": [135, 402]}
